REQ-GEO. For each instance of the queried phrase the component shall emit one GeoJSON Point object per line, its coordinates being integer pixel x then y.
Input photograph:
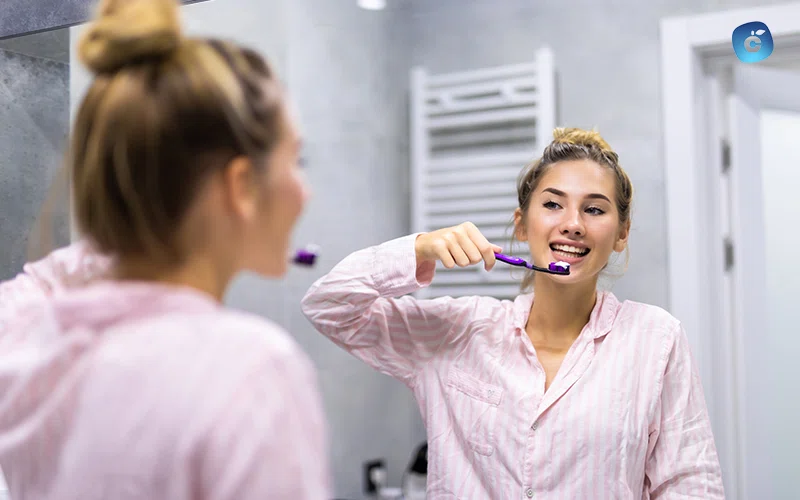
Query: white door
{"type": "Point", "coordinates": [764, 201]}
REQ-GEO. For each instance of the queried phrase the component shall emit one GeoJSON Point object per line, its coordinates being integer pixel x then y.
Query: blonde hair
{"type": "Point", "coordinates": [574, 144]}
{"type": "Point", "coordinates": [162, 114]}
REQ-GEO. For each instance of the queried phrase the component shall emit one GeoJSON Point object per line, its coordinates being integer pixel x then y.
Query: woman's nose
{"type": "Point", "coordinates": [572, 224]}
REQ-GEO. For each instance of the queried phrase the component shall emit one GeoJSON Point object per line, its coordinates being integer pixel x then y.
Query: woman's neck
{"type": "Point", "coordinates": [196, 272]}
{"type": "Point", "coordinates": [559, 312]}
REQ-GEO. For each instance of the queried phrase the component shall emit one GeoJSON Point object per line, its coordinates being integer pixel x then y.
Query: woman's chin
{"type": "Point", "coordinates": [578, 275]}
{"type": "Point", "coordinates": [274, 268]}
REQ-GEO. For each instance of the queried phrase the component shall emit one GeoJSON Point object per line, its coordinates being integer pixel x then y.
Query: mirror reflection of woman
{"type": "Point", "coordinates": [565, 392]}
{"type": "Point", "coordinates": [122, 375]}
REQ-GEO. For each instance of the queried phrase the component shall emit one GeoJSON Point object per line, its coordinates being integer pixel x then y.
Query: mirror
{"type": "Point", "coordinates": [349, 74]}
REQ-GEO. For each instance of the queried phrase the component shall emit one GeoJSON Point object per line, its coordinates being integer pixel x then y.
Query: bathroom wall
{"type": "Point", "coordinates": [34, 122]}
{"type": "Point", "coordinates": [24, 16]}
{"type": "Point", "coordinates": [348, 73]}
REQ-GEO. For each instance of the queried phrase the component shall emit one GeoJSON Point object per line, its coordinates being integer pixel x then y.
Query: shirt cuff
{"type": "Point", "coordinates": [396, 271]}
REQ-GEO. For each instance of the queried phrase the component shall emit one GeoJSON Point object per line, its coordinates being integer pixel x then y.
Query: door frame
{"type": "Point", "coordinates": [691, 154]}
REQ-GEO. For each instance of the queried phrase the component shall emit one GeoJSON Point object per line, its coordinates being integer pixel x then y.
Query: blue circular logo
{"type": "Point", "coordinates": [752, 42]}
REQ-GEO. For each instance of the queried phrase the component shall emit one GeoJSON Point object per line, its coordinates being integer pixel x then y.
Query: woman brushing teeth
{"type": "Point", "coordinates": [563, 393]}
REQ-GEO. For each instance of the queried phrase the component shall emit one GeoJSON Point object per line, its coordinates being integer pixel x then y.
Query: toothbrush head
{"type": "Point", "coordinates": [559, 267]}
{"type": "Point", "coordinates": [306, 256]}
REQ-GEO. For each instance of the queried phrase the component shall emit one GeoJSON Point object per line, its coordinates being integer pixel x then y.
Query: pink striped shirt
{"type": "Point", "coordinates": [625, 417]}
{"type": "Point", "coordinates": [138, 390]}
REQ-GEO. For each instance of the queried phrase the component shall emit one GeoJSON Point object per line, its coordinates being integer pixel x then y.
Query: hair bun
{"type": "Point", "coordinates": [125, 31]}
{"type": "Point", "coordinates": [580, 137]}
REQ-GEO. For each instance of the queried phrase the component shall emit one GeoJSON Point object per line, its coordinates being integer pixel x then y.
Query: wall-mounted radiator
{"type": "Point", "coordinates": [472, 133]}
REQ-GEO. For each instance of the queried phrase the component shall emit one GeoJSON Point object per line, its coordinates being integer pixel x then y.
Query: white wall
{"type": "Point", "coordinates": [780, 374]}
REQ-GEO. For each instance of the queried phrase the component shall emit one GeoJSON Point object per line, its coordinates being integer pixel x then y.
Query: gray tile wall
{"type": "Point", "coordinates": [53, 45]}
{"type": "Point", "coordinates": [34, 120]}
{"type": "Point", "coordinates": [24, 16]}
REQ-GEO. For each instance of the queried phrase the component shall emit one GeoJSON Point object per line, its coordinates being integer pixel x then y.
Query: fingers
{"type": "Point", "coordinates": [442, 253]}
{"type": "Point", "coordinates": [462, 245]}
{"type": "Point", "coordinates": [454, 248]}
{"type": "Point", "coordinates": [482, 246]}
{"type": "Point", "coordinates": [457, 250]}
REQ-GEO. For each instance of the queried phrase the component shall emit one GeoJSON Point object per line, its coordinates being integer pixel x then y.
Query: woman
{"type": "Point", "coordinates": [563, 393]}
{"type": "Point", "coordinates": [138, 383]}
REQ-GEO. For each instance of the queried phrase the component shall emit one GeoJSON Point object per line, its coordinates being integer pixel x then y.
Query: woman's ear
{"type": "Point", "coordinates": [622, 237]}
{"type": "Point", "coordinates": [240, 188]}
{"type": "Point", "coordinates": [520, 233]}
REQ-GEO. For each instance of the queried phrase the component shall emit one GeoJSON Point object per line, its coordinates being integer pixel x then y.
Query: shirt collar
{"type": "Point", "coordinates": [600, 321]}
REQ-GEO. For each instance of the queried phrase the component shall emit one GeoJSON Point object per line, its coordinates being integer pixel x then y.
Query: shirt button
{"type": "Point", "coordinates": [529, 493]}
{"type": "Point", "coordinates": [535, 425]}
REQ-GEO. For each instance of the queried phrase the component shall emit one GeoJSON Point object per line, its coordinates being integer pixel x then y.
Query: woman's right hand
{"type": "Point", "coordinates": [460, 245]}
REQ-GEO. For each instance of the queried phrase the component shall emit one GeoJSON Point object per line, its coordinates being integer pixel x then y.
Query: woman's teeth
{"type": "Point", "coordinates": [570, 250]}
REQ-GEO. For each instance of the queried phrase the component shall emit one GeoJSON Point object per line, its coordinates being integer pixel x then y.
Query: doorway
{"type": "Point", "coordinates": [731, 172]}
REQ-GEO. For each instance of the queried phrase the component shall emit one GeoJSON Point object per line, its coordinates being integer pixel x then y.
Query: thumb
{"type": "Point", "coordinates": [497, 249]}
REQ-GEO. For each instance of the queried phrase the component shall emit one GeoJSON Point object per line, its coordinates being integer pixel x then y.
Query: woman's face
{"type": "Point", "coordinates": [252, 207]}
{"type": "Point", "coordinates": [284, 195]}
{"type": "Point", "coordinates": [572, 217]}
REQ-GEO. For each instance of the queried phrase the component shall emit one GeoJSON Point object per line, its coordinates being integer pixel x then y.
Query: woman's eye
{"type": "Point", "coordinates": [551, 205]}
{"type": "Point", "coordinates": [595, 211]}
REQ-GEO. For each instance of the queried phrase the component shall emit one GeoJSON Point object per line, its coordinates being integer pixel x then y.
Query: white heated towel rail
{"type": "Point", "coordinates": [472, 133]}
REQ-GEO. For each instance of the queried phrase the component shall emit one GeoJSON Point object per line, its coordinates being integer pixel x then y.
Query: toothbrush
{"type": "Point", "coordinates": [554, 267]}
{"type": "Point", "coordinates": [306, 256]}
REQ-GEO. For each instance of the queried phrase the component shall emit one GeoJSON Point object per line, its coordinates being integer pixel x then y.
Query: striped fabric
{"type": "Point", "coordinates": [625, 418]}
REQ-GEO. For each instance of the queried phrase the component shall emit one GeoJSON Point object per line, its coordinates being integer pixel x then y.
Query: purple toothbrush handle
{"type": "Point", "coordinates": [553, 267]}
{"type": "Point", "coordinates": [514, 261]}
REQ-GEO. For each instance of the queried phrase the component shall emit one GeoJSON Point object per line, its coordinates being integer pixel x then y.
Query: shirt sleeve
{"type": "Point", "coordinates": [682, 458]}
{"type": "Point", "coordinates": [362, 305]}
{"type": "Point", "coordinates": [67, 267]}
{"type": "Point", "coordinates": [271, 440]}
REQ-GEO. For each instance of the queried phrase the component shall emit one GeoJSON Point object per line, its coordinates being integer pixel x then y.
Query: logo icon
{"type": "Point", "coordinates": [752, 42]}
